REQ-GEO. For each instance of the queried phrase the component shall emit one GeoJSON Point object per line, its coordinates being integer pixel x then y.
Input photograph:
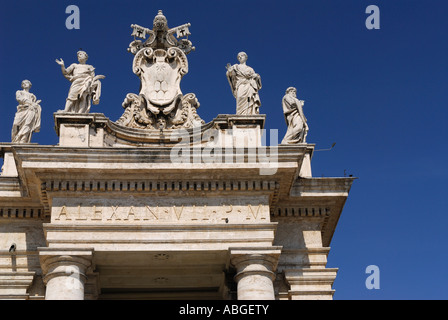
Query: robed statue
{"type": "Point", "coordinates": [245, 84]}
{"type": "Point", "coordinates": [294, 117]}
{"type": "Point", "coordinates": [28, 115]}
{"type": "Point", "coordinates": [85, 85]}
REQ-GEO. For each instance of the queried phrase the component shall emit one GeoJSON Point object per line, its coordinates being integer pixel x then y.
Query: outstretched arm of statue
{"type": "Point", "coordinates": [61, 63]}
{"type": "Point", "coordinates": [65, 72]}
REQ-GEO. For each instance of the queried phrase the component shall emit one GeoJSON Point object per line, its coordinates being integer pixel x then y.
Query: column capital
{"type": "Point", "coordinates": [265, 255]}
{"type": "Point", "coordinates": [52, 259]}
{"type": "Point", "coordinates": [64, 271]}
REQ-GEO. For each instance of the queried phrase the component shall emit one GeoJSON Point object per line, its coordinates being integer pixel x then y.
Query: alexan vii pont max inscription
{"type": "Point", "coordinates": [154, 213]}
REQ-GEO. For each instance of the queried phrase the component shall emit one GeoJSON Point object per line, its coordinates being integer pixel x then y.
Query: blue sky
{"type": "Point", "coordinates": [381, 95]}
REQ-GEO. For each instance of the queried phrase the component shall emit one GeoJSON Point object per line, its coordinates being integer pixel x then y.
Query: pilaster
{"type": "Point", "coordinates": [310, 283]}
{"type": "Point", "coordinates": [302, 267]}
{"type": "Point", "coordinates": [15, 285]}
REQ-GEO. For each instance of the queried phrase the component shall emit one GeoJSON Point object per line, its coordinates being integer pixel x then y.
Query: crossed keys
{"type": "Point", "coordinates": [181, 31]}
{"type": "Point", "coordinates": [168, 38]}
{"type": "Point", "coordinates": [141, 32]}
{"type": "Point", "coordinates": [161, 36]}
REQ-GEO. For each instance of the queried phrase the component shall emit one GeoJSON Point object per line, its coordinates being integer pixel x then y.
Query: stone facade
{"type": "Point", "coordinates": [98, 218]}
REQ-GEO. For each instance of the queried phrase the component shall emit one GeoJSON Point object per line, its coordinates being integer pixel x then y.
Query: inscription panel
{"type": "Point", "coordinates": [144, 210]}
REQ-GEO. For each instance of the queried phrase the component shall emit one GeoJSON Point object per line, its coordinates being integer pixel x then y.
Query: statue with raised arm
{"type": "Point", "coordinates": [245, 84]}
{"type": "Point", "coordinates": [27, 118]}
{"type": "Point", "coordinates": [85, 85]}
{"type": "Point", "coordinates": [294, 117]}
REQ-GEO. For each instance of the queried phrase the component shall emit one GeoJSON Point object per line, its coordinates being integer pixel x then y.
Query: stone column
{"type": "Point", "coordinates": [65, 272]}
{"type": "Point", "coordinates": [255, 272]}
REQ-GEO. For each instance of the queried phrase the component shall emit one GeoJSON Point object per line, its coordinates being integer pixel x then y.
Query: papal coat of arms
{"type": "Point", "coordinates": [160, 62]}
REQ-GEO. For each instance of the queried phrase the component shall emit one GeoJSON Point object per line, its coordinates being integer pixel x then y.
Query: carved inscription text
{"type": "Point", "coordinates": [104, 213]}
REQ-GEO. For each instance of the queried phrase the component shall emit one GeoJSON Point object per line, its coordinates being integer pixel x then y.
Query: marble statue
{"type": "Point", "coordinates": [160, 62]}
{"type": "Point", "coordinates": [245, 84]}
{"type": "Point", "coordinates": [294, 117]}
{"type": "Point", "coordinates": [85, 85]}
{"type": "Point", "coordinates": [28, 115]}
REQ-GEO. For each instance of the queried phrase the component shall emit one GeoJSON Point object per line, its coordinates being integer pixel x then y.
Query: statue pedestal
{"type": "Point", "coordinates": [80, 129]}
{"type": "Point", "coordinates": [95, 130]}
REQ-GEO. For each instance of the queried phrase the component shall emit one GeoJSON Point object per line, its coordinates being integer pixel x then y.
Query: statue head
{"type": "Point", "coordinates": [291, 90]}
{"type": "Point", "coordinates": [160, 22]}
{"type": "Point", "coordinates": [26, 84]}
{"type": "Point", "coordinates": [242, 57]}
{"type": "Point", "coordinates": [82, 56]}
